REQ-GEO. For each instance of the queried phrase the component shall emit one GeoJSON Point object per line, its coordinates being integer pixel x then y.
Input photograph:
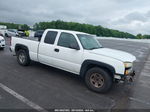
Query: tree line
{"type": "Point", "coordinates": [87, 28]}
{"type": "Point", "coordinates": [140, 36]}
{"type": "Point", "coordinates": [15, 26]}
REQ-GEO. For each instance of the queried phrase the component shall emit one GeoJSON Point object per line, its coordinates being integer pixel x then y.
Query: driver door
{"type": "Point", "coordinates": [65, 57]}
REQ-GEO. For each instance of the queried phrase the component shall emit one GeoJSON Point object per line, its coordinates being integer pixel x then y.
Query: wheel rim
{"type": "Point", "coordinates": [97, 80]}
{"type": "Point", "coordinates": [22, 57]}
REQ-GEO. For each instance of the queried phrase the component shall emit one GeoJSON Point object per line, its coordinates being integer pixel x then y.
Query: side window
{"type": "Point", "coordinates": [50, 37]}
{"type": "Point", "coordinates": [66, 39]}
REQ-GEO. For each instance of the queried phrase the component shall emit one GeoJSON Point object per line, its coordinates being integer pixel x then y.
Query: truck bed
{"type": "Point", "coordinates": [30, 42]}
{"type": "Point", "coordinates": [29, 38]}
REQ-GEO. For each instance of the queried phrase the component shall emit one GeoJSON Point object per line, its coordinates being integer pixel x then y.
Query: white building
{"type": "Point", "coordinates": [3, 27]}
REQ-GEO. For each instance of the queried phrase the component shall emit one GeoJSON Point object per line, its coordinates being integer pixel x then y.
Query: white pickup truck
{"type": "Point", "coordinates": [78, 53]}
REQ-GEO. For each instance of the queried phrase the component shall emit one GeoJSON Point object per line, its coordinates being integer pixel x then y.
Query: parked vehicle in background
{"type": "Point", "coordinates": [3, 31]}
{"type": "Point", "coordinates": [1, 34]}
{"type": "Point", "coordinates": [27, 33]}
{"type": "Point", "coordinates": [78, 53]}
{"type": "Point", "coordinates": [39, 33]}
{"type": "Point", "coordinates": [21, 33]}
{"type": "Point", "coordinates": [3, 27]}
{"type": "Point", "coordinates": [11, 32]}
{"type": "Point", "coordinates": [2, 42]}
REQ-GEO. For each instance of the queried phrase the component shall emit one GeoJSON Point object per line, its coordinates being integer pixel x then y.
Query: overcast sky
{"type": "Point", "coordinates": [131, 16]}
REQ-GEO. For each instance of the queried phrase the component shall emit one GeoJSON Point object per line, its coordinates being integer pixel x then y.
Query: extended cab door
{"type": "Point", "coordinates": [46, 47]}
{"type": "Point", "coordinates": [64, 56]}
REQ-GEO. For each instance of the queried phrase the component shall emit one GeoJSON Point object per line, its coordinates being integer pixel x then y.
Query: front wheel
{"type": "Point", "coordinates": [23, 58]}
{"type": "Point", "coordinates": [98, 80]}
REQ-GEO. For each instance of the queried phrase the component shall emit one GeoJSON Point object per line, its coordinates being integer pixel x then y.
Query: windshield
{"type": "Point", "coordinates": [12, 30]}
{"type": "Point", "coordinates": [89, 42]}
{"type": "Point", "coordinates": [40, 31]}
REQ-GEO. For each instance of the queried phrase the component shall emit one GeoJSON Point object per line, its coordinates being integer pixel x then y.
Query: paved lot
{"type": "Point", "coordinates": [41, 87]}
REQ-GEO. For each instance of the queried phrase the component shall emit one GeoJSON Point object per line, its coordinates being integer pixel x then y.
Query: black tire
{"type": "Point", "coordinates": [23, 58]}
{"type": "Point", "coordinates": [2, 48]}
{"type": "Point", "coordinates": [98, 80]}
{"type": "Point", "coordinates": [6, 35]}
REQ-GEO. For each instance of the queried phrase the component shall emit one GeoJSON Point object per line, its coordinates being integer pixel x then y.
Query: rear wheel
{"type": "Point", "coordinates": [23, 57]}
{"type": "Point", "coordinates": [98, 80]}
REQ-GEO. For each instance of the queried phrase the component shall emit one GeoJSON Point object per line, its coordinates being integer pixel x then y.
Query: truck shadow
{"type": "Point", "coordinates": [117, 88]}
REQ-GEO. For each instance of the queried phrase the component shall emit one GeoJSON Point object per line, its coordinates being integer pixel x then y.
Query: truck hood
{"type": "Point", "coordinates": [116, 54]}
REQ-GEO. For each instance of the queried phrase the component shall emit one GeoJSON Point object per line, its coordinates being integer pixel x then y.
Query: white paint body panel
{"type": "Point", "coordinates": [116, 54]}
{"type": "Point", "coordinates": [32, 46]}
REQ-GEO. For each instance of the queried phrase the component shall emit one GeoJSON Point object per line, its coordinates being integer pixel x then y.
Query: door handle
{"type": "Point", "coordinates": [56, 50]}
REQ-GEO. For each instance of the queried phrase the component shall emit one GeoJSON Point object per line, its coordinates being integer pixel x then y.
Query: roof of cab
{"type": "Point", "coordinates": [68, 31]}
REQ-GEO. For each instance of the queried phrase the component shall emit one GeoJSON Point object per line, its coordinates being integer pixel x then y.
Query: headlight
{"type": "Point", "coordinates": [128, 65]}
{"type": "Point", "coordinates": [128, 71]}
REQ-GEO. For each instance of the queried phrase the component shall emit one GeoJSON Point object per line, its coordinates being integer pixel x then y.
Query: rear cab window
{"type": "Point", "coordinates": [50, 37]}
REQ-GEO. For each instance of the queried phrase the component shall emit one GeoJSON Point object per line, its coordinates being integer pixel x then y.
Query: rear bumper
{"type": "Point", "coordinates": [10, 49]}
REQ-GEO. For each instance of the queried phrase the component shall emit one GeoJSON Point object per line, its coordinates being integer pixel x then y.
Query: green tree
{"type": "Point", "coordinates": [146, 36]}
{"type": "Point", "coordinates": [87, 28]}
{"type": "Point", "coordinates": [15, 26]}
{"type": "Point", "coordinates": [139, 36]}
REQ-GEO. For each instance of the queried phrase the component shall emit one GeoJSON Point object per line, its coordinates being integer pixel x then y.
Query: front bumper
{"type": "Point", "coordinates": [10, 49]}
{"type": "Point", "coordinates": [129, 77]}
{"type": "Point", "coordinates": [2, 44]}
{"type": "Point", "coordinates": [126, 78]}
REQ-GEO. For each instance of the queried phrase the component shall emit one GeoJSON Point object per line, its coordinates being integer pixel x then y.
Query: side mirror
{"type": "Point", "coordinates": [74, 46]}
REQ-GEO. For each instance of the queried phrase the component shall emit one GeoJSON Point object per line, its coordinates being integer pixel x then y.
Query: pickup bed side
{"type": "Point", "coordinates": [28, 44]}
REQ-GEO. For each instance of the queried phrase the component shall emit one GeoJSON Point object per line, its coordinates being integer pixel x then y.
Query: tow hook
{"type": "Point", "coordinates": [130, 77]}
{"type": "Point", "coordinates": [133, 74]}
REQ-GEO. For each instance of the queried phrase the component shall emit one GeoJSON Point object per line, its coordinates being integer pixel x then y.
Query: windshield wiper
{"type": "Point", "coordinates": [95, 48]}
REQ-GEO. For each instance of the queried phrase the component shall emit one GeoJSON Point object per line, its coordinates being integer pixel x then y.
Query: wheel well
{"type": "Point", "coordinates": [19, 47]}
{"type": "Point", "coordinates": [86, 66]}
